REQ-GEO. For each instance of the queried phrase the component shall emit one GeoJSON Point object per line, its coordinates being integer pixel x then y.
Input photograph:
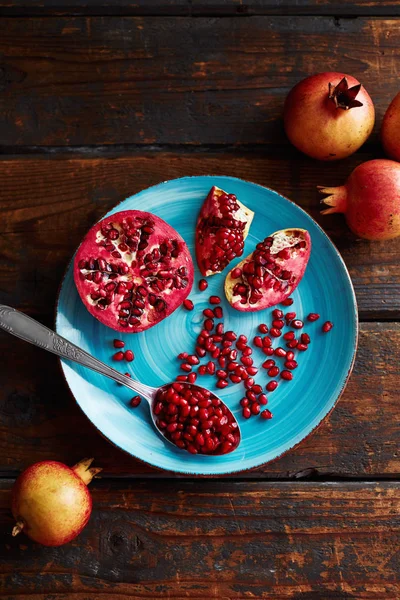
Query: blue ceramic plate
{"type": "Point", "coordinates": [298, 406]}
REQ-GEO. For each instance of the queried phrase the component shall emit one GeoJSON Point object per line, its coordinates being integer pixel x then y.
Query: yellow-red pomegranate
{"type": "Point", "coordinates": [370, 200]}
{"type": "Point", "coordinates": [390, 131]}
{"type": "Point", "coordinates": [221, 229]}
{"type": "Point", "coordinates": [328, 116]}
{"type": "Point", "coordinates": [271, 273]}
{"type": "Point", "coordinates": [51, 502]}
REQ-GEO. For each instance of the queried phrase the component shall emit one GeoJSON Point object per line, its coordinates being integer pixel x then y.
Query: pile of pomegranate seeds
{"type": "Point", "coordinates": [231, 359]}
{"type": "Point", "coordinates": [195, 420]}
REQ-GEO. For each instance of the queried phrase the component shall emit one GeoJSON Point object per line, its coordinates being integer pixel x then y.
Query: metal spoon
{"type": "Point", "coordinates": [26, 328]}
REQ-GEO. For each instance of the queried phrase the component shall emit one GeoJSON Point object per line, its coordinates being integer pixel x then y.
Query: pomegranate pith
{"type": "Point", "coordinates": [132, 270]}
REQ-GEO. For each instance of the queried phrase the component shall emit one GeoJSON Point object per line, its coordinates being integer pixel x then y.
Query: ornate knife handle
{"type": "Point", "coordinates": [26, 328]}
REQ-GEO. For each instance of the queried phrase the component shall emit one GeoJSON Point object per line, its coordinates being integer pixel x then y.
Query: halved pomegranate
{"type": "Point", "coordinates": [271, 272]}
{"type": "Point", "coordinates": [222, 227]}
{"type": "Point", "coordinates": [132, 270]}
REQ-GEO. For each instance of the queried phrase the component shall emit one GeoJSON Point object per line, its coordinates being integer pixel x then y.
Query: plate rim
{"type": "Point", "coordinates": [355, 318]}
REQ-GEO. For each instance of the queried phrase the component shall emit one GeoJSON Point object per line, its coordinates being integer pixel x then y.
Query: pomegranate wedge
{"type": "Point", "coordinates": [271, 273]}
{"type": "Point", "coordinates": [132, 270]}
{"type": "Point", "coordinates": [222, 227]}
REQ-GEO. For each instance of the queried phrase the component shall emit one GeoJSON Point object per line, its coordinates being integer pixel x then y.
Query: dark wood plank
{"type": "Point", "coordinates": [201, 7]}
{"type": "Point", "coordinates": [172, 80]}
{"type": "Point", "coordinates": [217, 541]}
{"type": "Point", "coordinates": [47, 206]}
{"type": "Point", "coordinates": [39, 419]}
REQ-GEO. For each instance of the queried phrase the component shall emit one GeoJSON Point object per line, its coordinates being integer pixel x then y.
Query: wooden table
{"type": "Point", "coordinates": [100, 99]}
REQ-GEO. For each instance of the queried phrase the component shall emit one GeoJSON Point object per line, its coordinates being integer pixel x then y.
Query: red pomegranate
{"type": "Point", "coordinates": [51, 502]}
{"type": "Point", "coordinates": [370, 199]}
{"type": "Point", "coordinates": [328, 116]}
{"type": "Point", "coordinates": [271, 273]}
{"type": "Point", "coordinates": [390, 131]}
{"type": "Point", "coordinates": [132, 270]}
{"type": "Point", "coordinates": [222, 227]}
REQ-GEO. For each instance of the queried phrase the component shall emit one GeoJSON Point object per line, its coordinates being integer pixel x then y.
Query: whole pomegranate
{"type": "Point", "coordinates": [222, 227]}
{"type": "Point", "coordinates": [271, 273]}
{"type": "Point", "coordinates": [132, 270]}
{"type": "Point", "coordinates": [370, 199]}
{"type": "Point", "coordinates": [328, 116]}
{"type": "Point", "coordinates": [51, 502]}
{"type": "Point", "coordinates": [390, 131]}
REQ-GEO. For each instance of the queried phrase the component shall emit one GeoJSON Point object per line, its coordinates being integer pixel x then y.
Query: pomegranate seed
{"type": "Point", "coordinates": [129, 356]}
{"type": "Point", "coordinates": [218, 312]}
{"type": "Point", "coordinates": [203, 285]}
{"type": "Point", "coordinates": [277, 314]}
{"type": "Point", "coordinates": [216, 353]}
{"type": "Point", "coordinates": [210, 366]}
{"type": "Point", "coordinates": [290, 316]}
{"type": "Point", "coordinates": [273, 371]}
{"type": "Point", "coordinates": [236, 273]}
{"type": "Point", "coordinates": [186, 367]}
{"type": "Point", "coordinates": [209, 324]}
{"type": "Point", "coordinates": [262, 399]}
{"type": "Point", "coordinates": [183, 355]}
{"type": "Point", "coordinates": [297, 324]}
{"type": "Point", "coordinates": [255, 408]}
{"type": "Point", "coordinates": [247, 361]}
{"type": "Point", "coordinates": [242, 339]}
{"type": "Point", "coordinates": [251, 396]}
{"type": "Point", "coordinates": [230, 335]}
{"type": "Point", "coordinates": [118, 356]}
{"type": "Point", "coordinates": [275, 332]}
{"type": "Point", "coordinates": [222, 361]}
{"type": "Point", "coordinates": [222, 383]}
{"type": "Point", "coordinates": [267, 342]}
{"type": "Point", "coordinates": [271, 386]}
{"type": "Point", "coordinates": [221, 374]}
{"type": "Point", "coordinates": [135, 401]}
{"type": "Point", "coordinates": [289, 335]}
{"type": "Point", "coordinates": [252, 370]}
{"type": "Point", "coordinates": [287, 302]}
{"type": "Point", "coordinates": [287, 375]}
{"type": "Point", "coordinates": [248, 384]}
{"type": "Point", "coordinates": [188, 304]}
{"type": "Point", "coordinates": [232, 366]}
{"type": "Point", "coordinates": [327, 326]}
{"type": "Point", "coordinates": [202, 370]}
{"type": "Point", "coordinates": [247, 351]}
{"type": "Point", "coordinates": [220, 328]}
{"type": "Point", "coordinates": [292, 344]}
{"type": "Point", "coordinates": [305, 338]}
{"type": "Point", "coordinates": [232, 354]}
{"type": "Point", "coordinates": [302, 347]}
{"type": "Point", "coordinates": [181, 378]}
{"type": "Point", "coordinates": [118, 344]}
{"type": "Point", "coordinates": [263, 328]}
{"type": "Point", "coordinates": [291, 364]}
{"type": "Point", "coordinates": [278, 323]}
{"type": "Point", "coordinates": [192, 359]}
{"type": "Point", "coordinates": [266, 414]}
{"type": "Point", "coordinates": [257, 341]}
{"type": "Point", "coordinates": [244, 402]}
{"type": "Point", "coordinates": [192, 377]}
{"type": "Point", "coordinates": [289, 355]}
{"type": "Point", "coordinates": [313, 317]}
{"type": "Point", "coordinates": [268, 351]}
{"type": "Point", "coordinates": [235, 378]}
{"type": "Point", "coordinates": [200, 352]}
{"type": "Point", "coordinates": [257, 389]}
{"type": "Point", "coordinates": [209, 313]}
{"type": "Point", "coordinates": [246, 412]}
{"type": "Point", "coordinates": [215, 300]}
{"type": "Point", "coordinates": [280, 352]}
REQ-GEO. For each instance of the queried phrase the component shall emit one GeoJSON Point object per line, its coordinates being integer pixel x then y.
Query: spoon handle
{"type": "Point", "coordinates": [19, 324]}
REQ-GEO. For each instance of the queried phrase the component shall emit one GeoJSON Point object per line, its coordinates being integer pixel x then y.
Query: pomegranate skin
{"type": "Point", "coordinates": [370, 200]}
{"type": "Point", "coordinates": [317, 127]}
{"type": "Point", "coordinates": [390, 131]}
{"type": "Point", "coordinates": [52, 502]}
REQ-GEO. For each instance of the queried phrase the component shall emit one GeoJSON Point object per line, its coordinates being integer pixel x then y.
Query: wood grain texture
{"type": "Point", "coordinates": [39, 419]}
{"type": "Point", "coordinates": [201, 7]}
{"type": "Point", "coordinates": [48, 205]}
{"type": "Point", "coordinates": [217, 541]}
{"type": "Point", "coordinates": [173, 80]}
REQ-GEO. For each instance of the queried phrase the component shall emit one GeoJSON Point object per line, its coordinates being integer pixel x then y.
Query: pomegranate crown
{"type": "Point", "coordinates": [343, 96]}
